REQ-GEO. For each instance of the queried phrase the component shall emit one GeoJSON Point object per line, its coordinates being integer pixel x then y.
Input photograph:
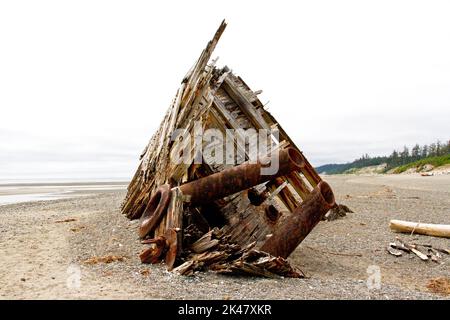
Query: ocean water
{"type": "Point", "coordinates": [11, 193]}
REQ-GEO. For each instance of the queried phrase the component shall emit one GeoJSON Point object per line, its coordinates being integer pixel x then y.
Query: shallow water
{"type": "Point", "coordinates": [10, 194]}
{"type": "Point", "coordinates": [19, 198]}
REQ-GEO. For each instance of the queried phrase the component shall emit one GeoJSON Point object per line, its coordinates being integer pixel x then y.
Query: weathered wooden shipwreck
{"type": "Point", "coordinates": [218, 214]}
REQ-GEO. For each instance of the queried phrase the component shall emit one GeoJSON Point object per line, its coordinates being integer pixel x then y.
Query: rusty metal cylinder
{"type": "Point", "coordinates": [155, 210]}
{"type": "Point", "coordinates": [239, 178]}
{"type": "Point", "coordinates": [294, 229]}
{"type": "Point", "coordinates": [218, 185]}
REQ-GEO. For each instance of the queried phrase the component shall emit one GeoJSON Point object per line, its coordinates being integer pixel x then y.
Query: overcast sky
{"type": "Point", "coordinates": [84, 84]}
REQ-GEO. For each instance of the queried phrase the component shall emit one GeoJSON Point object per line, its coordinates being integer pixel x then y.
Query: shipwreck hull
{"type": "Point", "coordinates": [220, 100]}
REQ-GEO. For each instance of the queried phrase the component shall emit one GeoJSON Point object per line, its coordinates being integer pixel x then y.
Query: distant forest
{"type": "Point", "coordinates": [396, 159]}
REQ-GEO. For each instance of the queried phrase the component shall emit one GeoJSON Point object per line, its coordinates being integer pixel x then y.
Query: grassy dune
{"type": "Point", "coordinates": [434, 161]}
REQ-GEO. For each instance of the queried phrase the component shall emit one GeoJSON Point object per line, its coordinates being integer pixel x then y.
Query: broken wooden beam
{"type": "Point", "coordinates": [391, 248]}
{"type": "Point", "coordinates": [173, 242]}
{"type": "Point", "coordinates": [154, 254]}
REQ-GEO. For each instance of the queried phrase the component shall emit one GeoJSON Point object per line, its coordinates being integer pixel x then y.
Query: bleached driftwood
{"type": "Point", "coordinates": [436, 230]}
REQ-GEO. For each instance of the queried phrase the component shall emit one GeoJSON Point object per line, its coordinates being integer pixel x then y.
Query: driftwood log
{"type": "Point", "coordinates": [436, 230]}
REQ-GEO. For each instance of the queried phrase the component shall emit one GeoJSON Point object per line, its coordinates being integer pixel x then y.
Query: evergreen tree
{"type": "Point", "coordinates": [432, 150]}
{"type": "Point", "coordinates": [439, 148]}
{"type": "Point", "coordinates": [404, 155]}
{"type": "Point", "coordinates": [394, 158]}
{"type": "Point", "coordinates": [415, 152]}
{"type": "Point", "coordinates": [424, 153]}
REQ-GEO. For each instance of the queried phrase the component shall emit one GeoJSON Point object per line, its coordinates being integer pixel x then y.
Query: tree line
{"type": "Point", "coordinates": [395, 159]}
{"type": "Point", "coordinates": [407, 155]}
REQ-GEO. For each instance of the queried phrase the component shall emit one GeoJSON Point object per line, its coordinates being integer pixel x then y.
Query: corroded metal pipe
{"type": "Point", "coordinates": [218, 185]}
{"type": "Point", "coordinates": [239, 178]}
{"type": "Point", "coordinates": [155, 210]}
{"type": "Point", "coordinates": [294, 229]}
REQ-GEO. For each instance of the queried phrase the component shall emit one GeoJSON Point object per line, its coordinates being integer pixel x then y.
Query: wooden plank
{"type": "Point", "coordinates": [285, 195]}
{"type": "Point", "coordinates": [220, 107]}
{"type": "Point", "coordinates": [310, 174]}
{"type": "Point", "coordinates": [299, 186]}
{"type": "Point", "coordinates": [175, 210]}
{"type": "Point", "coordinates": [238, 138]}
{"type": "Point", "coordinates": [176, 109]}
{"type": "Point", "coordinates": [249, 109]}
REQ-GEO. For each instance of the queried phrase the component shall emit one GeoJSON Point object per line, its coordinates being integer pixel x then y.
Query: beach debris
{"type": "Point", "coordinates": [339, 211]}
{"type": "Point", "coordinates": [400, 246]}
{"type": "Point", "coordinates": [104, 259]}
{"type": "Point", "coordinates": [420, 254]}
{"type": "Point", "coordinates": [413, 249]}
{"type": "Point", "coordinates": [384, 192]}
{"type": "Point", "coordinates": [434, 255]}
{"type": "Point", "coordinates": [208, 241]}
{"type": "Point", "coordinates": [231, 259]}
{"type": "Point", "coordinates": [392, 250]}
{"type": "Point", "coordinates": [145, 272]}
{"type": "Point", "coordinates": [424, 251]}
{"type": "Point", "coordinates": [198, 209]}
{"type": "Point", "coordinates": [427, 174]}
{"type": "Point", "coordinates": [446, 251]}
{"type": "Point", "coordinates": [77, 229]}
{"type": "Point", "coordinates": [436, 230]}
{"type": "Point", "coordinates": [439, 285]}
{"type": "Point", "coordinates": [154, 253]}
{"type": "Point", "coordinates": [66, 220]}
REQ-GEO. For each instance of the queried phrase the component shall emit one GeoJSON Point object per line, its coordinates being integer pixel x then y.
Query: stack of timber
{"type": "Point", "coordinates": [198, 215]}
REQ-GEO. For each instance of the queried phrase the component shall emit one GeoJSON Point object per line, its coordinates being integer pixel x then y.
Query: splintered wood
{"type": "Point", "coordinates": [424, 252]}
{"type": "Point", "coordinates": [214, 252]}
{"type": "Point", "coordinates": [224, 235]}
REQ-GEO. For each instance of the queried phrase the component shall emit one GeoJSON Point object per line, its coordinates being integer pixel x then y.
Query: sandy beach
{"type": "Point", "coordinates": [46, 258]}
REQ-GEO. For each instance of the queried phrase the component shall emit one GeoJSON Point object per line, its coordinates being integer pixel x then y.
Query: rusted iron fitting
{"type": "Point", "coordinates": [294, 229]}
{"type": "Point", "coordinates": [155, 210]}
{"type": "Point", "coordinates": [239, 178]}
{"type": "Point", "coordinates": [219, 185]}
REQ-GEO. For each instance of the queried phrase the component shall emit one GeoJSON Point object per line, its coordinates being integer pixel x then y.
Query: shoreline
{"type": "Point", "coordinates": [65, 183]}
{"type": "Point", "coordinates": [32, 192]}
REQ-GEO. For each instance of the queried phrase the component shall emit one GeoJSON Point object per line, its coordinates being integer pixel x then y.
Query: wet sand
{"type": "Point", "coordinates": [44, 259]}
